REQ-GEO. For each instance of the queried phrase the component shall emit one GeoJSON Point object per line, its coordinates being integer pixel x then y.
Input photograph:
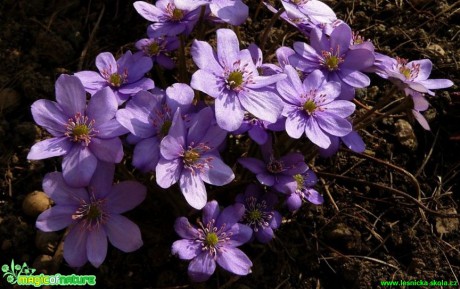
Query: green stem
{"type": "Point", "coordinates": [263, 40]}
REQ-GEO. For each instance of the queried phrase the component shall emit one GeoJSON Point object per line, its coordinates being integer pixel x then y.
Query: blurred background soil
{"type": "Point", "coordinates": [365, 232]}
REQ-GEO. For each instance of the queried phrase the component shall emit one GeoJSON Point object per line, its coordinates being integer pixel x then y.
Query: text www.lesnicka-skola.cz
{"type": "Point", "coordinates": [420, 283]}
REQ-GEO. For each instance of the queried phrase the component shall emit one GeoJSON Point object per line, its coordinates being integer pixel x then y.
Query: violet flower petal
{"type": "Point", "coordinates": [234, 261]}
{"type": "Point", "coordinates": [193, 189]}
{"type": "Point", "coordinates": [125, 196]}
{"type": "Point", "coordinates": [96, 246]}
{"type": "Point", "coordinates": [52, 147]}
{"type": "Point", "coordinates": [56, 218]}
{"type": "Point", "coordinates": [78, 166]}
{"type": "Point", "coordinates": [201, 267]}
{"type": "Point", "coordinates": [70, 94]}
{"type": "Point", "coordinates": [186, 249]}
{"type": "Point", "coordinates": [75, 246]}
{"type": "Point", "coordinates": [123, 233]}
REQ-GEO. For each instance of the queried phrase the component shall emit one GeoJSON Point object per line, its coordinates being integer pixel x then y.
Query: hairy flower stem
{"type": "Point", "coordinates": [383, 102]}
{"type": "Point", "coordinates": [202, 27]}
{"type": "Point", "coordinates": [275, 17]}
{"type": "Point", "coordinates": [182, 64]}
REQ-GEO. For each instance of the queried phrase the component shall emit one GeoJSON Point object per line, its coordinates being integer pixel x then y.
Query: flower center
{"type": "Point", "coordinates": [309, 106]}
{"type": "Point", "coordinates": [192, 157]}
{"type": "Point", "coordinates": [408, 72]}
{"type": "Point", "coordinates": [330, 60]}
{"type": "Point", "coordinates": [299, 180]}
{"type": "Point", "coordinates": [257, 214]}
{"type": "Point", "coordinates": [92, 214]}
{"type": "Point", "coordinates": [80, 129]}
{"type": "Point", "coordinates": [275, 166]}
{"type": "Point", "coordinates": [161, 120]}
{"type": "Point", "coordinates": [235, 79]}
{"type": "Point", "coordinates": [211, 239]}
{"type": "Point", "coordinates": [116, 79]}
{"type": "Point", "coordinates": [153, 49]}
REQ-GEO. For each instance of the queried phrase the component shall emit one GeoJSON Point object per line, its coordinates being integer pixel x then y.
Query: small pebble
{"type": "Point", "coordinates": [405, 134]}
{"type": "Point", "coordinates": [35, 203]}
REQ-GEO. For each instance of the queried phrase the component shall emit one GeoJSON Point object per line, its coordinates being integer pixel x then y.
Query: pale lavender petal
{"type": "Point", "coordinates": [170, 149]}
{"type": "Point", "coordinates": [264, 105]}
{"type": "Point", "coordinates": [102, 106]}
{"type": "Point", "coordinates": [56, 218]}
{"type": "Point", "coordinates": [125, 196]}
{"type": "Point", "coordinates": [276, 220]}
{"type": "Point", "coordinates": [232, 12]}
{"type": "Point", "coordinates": [285, 184]}
{"type": "Point", "coordinates": [49, 115]}
{"type": "Point", "coordinates": [75, 246]}
{"type": "Point", "coordinates": [70, 94]}
{"type": "Point", "coordinates": [201, 267]}
{"type": "Point", "coordinates": [96, 246]}
{"type": "Point", "coordinates": [148, 11]}
{"type": "Point", "coordinates": [106, 63]}
{"type": "Point", "coordinates": [421, 119]}
{"type": "Point", "coordinates": [205, 58]}
{"type": "Point", "coordinates": [135, 87]}
{"type": "Point", "coordinates": [262, 81]}
{"type": "Point", "coordinates": [193, 189]}
{"type": "Point", "coordinates": [264, 234]}
{"type": "Point", "coordinates": [316, 135]}
{"type": "Point", "coordinates": [258, 134]}
{"type": "Point", "coordinates": [146, 154]}
{"type": "Point", "coordinates": [52, 147]}
{"type": "Point", "coordinates": [332, 149]}
{"type": "Point", "coordinates": [229, 113]}
{"type": "Point", "coordinates": [283, 53]}
{"type": "Point", "coordinates": [331, 90]}
{"type": "Point", "coordinates": [319, 42]}
{"type": "Point", "coordinates": [137, 68]}
{"type": "Point", "coordinates": [234, 261]}
{"type": "Point", "coordinates": [228, 47]}
{"type": "Point", "coordinates": [91, 80]}
{"type": "Point", "coordinates": [177, 129]}
{"type": "Point", "coordinates": [186, 249]}
{"type": "Point", "coordinates": [354, 78]}
{"type": "Point", "coordinates": [211, 211]}
{"type": "Point", "coordinates": [358, 59]}
{"type": "Point", "coordinates": [102, 180]}
{"type": "Point", "coordinates": [266, 179]}
{"type": "Point", "coordinates": [184, 229]}
{"type": "Point", "coordinates": [341, 37]}
{"type": "Point", "coordinates": [230, 215]}
{"type": "Point", "coordinates": [354, 142]}
{"type": "Point", "coordinates": [78, 166]}
{"type": "Point", "coordinates": [436, 83]}
{"type": "Point", "coordinates": [168, 172]}
{"type": "Point", "coordinates": [293, 202]}
{"type": "Point", "coordinates": [179, 95]}
{"type": "Point", "coordinates": [316, 80]}
{"type": "Point", "coordinates": [217, 173]}
{"type": "Point", "coordinates": [295, 123]}
{"type": "Point", "coordinates": [254, 165]}
{"type": "Point", "coordinates": [314, 197]}
{"type": "Point", "coordinates": [207, 82]}
{"type": "Point", "coordinates": [420, 102]}
{"type": "Point", "coordinates": [60, 192]}
{"type": "Point", "coordinates": [333, 124]}
{"type": "Point", "coordinates": [123, 233]}
{"type": "Point", "coordinates": [108, 150]}
{"type": "Point", "coordinates": [424, 70]}
{"type": "Point", "coordinates": [318, 11]}
{"type": "Point", "coordinates": [110, 129]}
{"type": "Point", "coordinates": [340, 108]}
{"type": "Point", "coordinates": [241, 234]}
{"type": "Point", "coordinates": [291, 88]}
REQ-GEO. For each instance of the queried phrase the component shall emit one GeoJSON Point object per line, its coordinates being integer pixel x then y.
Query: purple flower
{"type": "Point", "coordinates": [304, 191]}
{"type": "Point", "coordinates": [125, 76]}
{"type": "Point", "coordinates": [168, 18]}
{"type": "Point", "coordinates": [215, 240]}
{"type": "Point", "coordinates": [259, 212]}
{"type": "Point", "coordinates": [258, 129]}
{"type": "Point", "coordinates": [233, 12]}
{"type": "Point", "coordinates": [190, 156]}
{"type": "Point", "coordinates": [149, 117]}
{"type": "Point", "coordinates": [333, 56]}
{"type": "Point", "coordinates": [82, 134]}
{"type": "Point", "coordinates": [311, 107]}
{"type": "Point", "coordinates": [158, 47]}
{"type": "Point", "coordinates": [352, 140]}
{"type": "Point", "coordinates": [92, 215]}
{"type": "Point", "coordinates": [276, 172]}
{"type": "Point", "coordinates": [412, 77]}
{"type": "Point", "coordinates": [231, 77]}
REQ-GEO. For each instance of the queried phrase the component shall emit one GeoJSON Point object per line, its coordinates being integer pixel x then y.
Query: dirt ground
{"type": "Point", "coordinates": [382, 216]}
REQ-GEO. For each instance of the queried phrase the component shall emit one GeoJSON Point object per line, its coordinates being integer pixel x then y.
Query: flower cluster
{"type": "Point", "coordinates": [181, 132]}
